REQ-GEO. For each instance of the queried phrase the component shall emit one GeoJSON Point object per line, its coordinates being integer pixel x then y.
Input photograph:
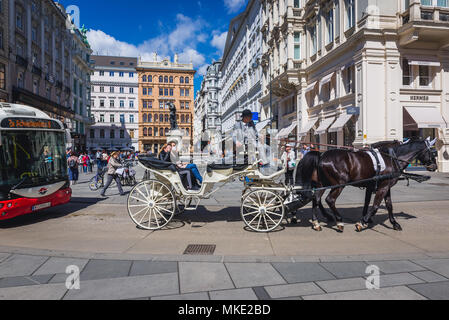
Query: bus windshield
{"type": "Point", "coordinates": [31, 159]}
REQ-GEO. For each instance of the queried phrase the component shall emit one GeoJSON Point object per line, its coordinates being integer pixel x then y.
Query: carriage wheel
{"type": "Point", "coordinates": [151, 205]}
{"type": "Point", "coordinates": [262, 210]}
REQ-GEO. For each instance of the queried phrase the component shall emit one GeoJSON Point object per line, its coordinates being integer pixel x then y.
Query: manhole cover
{"type": "Point", "coordinates": [200, 249]}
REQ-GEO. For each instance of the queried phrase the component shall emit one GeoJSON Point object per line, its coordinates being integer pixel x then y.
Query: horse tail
{"type": "Point", "coordinates": [307, 167]}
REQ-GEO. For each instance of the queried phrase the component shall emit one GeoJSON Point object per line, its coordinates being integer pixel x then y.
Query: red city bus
{"type": "Point", "coordinates": [33, 162]}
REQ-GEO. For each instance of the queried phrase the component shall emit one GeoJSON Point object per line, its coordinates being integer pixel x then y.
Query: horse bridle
{"type": "Point", "coordinates": [429, 149]}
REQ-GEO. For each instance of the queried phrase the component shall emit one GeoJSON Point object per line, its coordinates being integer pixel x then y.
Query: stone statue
{"type": "Point", "coordinates": [173, 122]}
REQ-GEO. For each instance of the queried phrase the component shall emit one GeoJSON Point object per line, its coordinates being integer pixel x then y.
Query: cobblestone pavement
{"type": "Point", "coordinates": [118, 261]}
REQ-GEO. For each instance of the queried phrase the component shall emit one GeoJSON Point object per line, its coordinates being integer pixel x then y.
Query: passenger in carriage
{"type": "Point", "coordinates": [165, 155]}
{"type": "Point", "coordinates": [174, 155]}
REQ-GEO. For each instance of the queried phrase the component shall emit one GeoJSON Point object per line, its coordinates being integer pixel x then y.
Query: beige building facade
{"type": "Point", "coordinates": [355, 72]}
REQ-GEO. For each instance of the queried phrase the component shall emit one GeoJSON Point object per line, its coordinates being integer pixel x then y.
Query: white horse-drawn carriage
{"type": "Point", "coordinates": [153, 203]}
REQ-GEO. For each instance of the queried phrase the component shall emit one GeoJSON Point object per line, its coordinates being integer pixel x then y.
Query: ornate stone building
{"type": "Point", "coordinates": [162, 82]}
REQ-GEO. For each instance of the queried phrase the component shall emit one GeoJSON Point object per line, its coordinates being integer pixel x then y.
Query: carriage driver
{"type": "Point", "coordinates": [244, 134]}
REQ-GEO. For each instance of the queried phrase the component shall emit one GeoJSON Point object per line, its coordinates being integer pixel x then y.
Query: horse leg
{"type": "Point", "coordinates": [331, 200]}
{"type": "Point", "coordinates": [389, 204]}
{"type": "Point", "coordinates": [380, 195]}
{"type": "Point", "coordinates": [316, 224]}
{"type": "Point", "coordinates": [368, 196]}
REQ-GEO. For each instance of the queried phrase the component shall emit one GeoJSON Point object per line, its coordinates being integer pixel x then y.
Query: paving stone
{"type": "Point", "coordinates": [187, 296]}
{"type": "Point", "coordinates": [20, 265]}
{"type": "Point", "coordinates": [440, 266]}
{"type": "Point", "coordinates": [261, 293]}
{"type": "Point", "coordinates": [58, 265]}
{"type": "Point", "coordinates": [293, 290]}
{"type": "Point", "coordinates": [398, 279]}
{"type": "Point", "coordinates": [394, 293]}
{"type": "Point", "coordinates": [346, 269]}
{"type": "Point", "coordinates": [203, 276]}
{"type": "Point", "coordinates": [59, 278]}
{"type": "Point", "coordinates": [429, 276]}
{"type": "Point", "coordinates": [3, 256]}
{"type": "Point", "coordinates": [433, 291]}
{"type": "Point", "coordinates": [247, 275]}
{"type": "Point", "coordinates": [235, 294]}
{"type": "Point", "coordinates": [302, 272]}
{"type": "Point", "coordinates": [42, 279]}
{"type": "Point", "coordinates": [396, 266]}
{"type": "Point", "coordinates": [126, 288]}
{"type": "Point", "coordinates": [105, 269]}
{"type": "Point", "coordinates": [342, 285]}
{"type": "Point", "coordinates": [142, 268]}
{"type": "Point", "coordinates": [16, 282]}
{"type": "Point", "coordinates": [37, 292]}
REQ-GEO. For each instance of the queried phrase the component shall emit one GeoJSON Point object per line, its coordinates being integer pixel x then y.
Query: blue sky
{"type": "Point", "coordinates": [195, 29]}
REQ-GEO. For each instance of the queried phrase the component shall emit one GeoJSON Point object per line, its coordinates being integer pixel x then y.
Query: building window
{"type": "Point", "coordinates": [406, 73]}
{"type": "Point", "coordinates": [145, 132]}
{"type": "Point", "coordinates": [122, 118]}
{"type": "Point", "coordinates": [131, 104]}
{"type": "Point", "coordinates": [122, 103]}
{"type": "Point", "coordinates": [424, 76]}
{"type": "Point", "coordinates": [121, 74]}
{"type": "Point", "coordinates": [330, 26]}
{"type": "Point", "coordinates": [166, 118]}
{"type": "Point", "coordinates": [171, 92]}
{"type": "Point", "coordinates": [150, 118]}
{"type": "Point", "coordinates": [161, 79]}
{"type": "Point", "coordinates": [161, 105]}
{"type": "Point", "coordinates": [182, 92]}
{"type": "Point", "coordinates": [187, 80]}
{"type": "Point", "coordinates": [150, 104]}
{"type": "Point", "coordinates": [181, 80]}
{"type": "Point", "coordinates": [161, 118]}
{"type": "Point", "coordinates": [297, 37]}
{"type": "Point", "coordinates": [111, 89]}
{"type": "Point", "coordinates": [122, 90]}
{"type": "Point", "coordinates": [101, 73]}
{"type": "Point", "coordinates": [350, 14]}
{"type": "Point", "coordinates": [101, 133]}
{"type": "Point", "coordinates": [112, 118]}
{"type": "Point", "coordinates": [187, 105]}
{"type": "Point", "coordinates": [111, 104]}
{"type": "Point", "coordinates": [131, 118]}
{"type": "Point", "coordinates": [111, 74]}
{"type": "Point", "coordinates": [182, 105]}
{"type": "Point", "coordinates": [144, 118]}
{"type": "Point", "coordinates": [102, 118]}
{"type": "Point", "coordinates": [171, 79]}
{"type": "Point", "coordinates": [112, 134]}
{"type": "Point", "coordinates": [122, 134]}
{"type": "Point", "coordinates": [349, 80]}
{"type": "Point", "coordinates": [156, 117]}
{"type": "Point", "coordinates": [150, 91]}
{"type": "Point", "coordinates": [150, 132]}
{"type": "Point", "coordinates": [19, 21]}
{"type": "Point", "coordinates": [161, 91]}
{"type": "Point", "coordinates": [144, 78]}
{"type": "Point", "coordinates": [161, 132]}
{"type": "Point", "coordinates": [150, 78]}
{"type": "Point", "coordinates": [166, 92]}
{"type": "Point", "coordinates": [101, 89]}
{"type": "Point", "coordinates": [92, 133]}
{"type": "Point", "coordinates": [166, 79]}
{"type": "Point", "coordinates": [20, 80]}
{"type": "Point", "coordinates": [187, 92]}
{"type": "Point", "coordinates": [144, 91]}
{"type": "Point", "coordinates": [313, 40]}
{"type": "Point", "coordinates": [131, 74]}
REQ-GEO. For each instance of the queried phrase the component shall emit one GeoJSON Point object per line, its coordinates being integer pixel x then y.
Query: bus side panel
{"type": "Point", "coordinates": [17, 207]}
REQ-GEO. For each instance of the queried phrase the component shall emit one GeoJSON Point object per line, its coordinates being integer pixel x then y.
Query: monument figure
{"type": "Point", "coordinates": [173, 122]}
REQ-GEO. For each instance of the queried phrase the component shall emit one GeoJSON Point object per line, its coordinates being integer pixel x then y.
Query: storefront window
{"type": "Point", "coordinates": [424, 76]}
{"type": "Point", "coordinates": [332, 139]}
{"type": "Point", "coordinates": [406, 73]}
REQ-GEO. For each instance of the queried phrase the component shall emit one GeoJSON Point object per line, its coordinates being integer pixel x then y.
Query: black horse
{"type": "Point", "coordinates": [338, 167]}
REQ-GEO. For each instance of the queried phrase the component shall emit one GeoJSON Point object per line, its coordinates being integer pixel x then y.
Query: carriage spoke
{"type": "Point", "coordinates": [161, 215]}
{"type": "Point", "coordinates": [138, 190]}
{"type": "Point", "coordinates": [271, 219]}
{"type": "Point", "coordinates": [251, 207]}
{"type": "Point", "coordinates": [156, 218]}
{"type": "Point", "coordinates": [253, 201]}
{"type": "Point", "coordinates": [254, 219]}
{"type": "Point", "coordinates": [276, 214]}
{"type": "Point", "coordinates": [143, 217]}
{"type": "Point", "coordinates": [148, 193]}
{"type": "Point", "coordinates": [250, 213]}
{"type": "Point", "coordinates": [138, 205]}
{"type": "Point", "coordinates": [258, 224]}
{"type": "Point", "coordinates": [161, 208]}
{"type": "Point", "coordinates": [269, 203]}
{"type": "Point", "coordinates": [135, 214]}
{"type": "Point", "coordinates": [139, 199]}
{"type": "Point", "coordinates": [266, 224]}
{"type": "Point", "coordinates": [276, 207]}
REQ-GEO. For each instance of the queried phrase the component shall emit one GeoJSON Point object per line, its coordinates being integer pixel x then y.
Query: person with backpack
{"type": "Point", "coordinates": [113, 165]}
{"type": "Point", "coordinates": [72, 163]}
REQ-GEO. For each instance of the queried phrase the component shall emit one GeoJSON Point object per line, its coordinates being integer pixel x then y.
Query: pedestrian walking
{"type": "Point", "coordinates": [72, 164]}
{"type": "Point", "coordinates": [113, 165]}
{"type": "Point", "coordinates": [289, 160]}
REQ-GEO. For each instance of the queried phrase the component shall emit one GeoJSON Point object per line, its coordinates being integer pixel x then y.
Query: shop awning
{"type": "Point", "coordinates": [340, 123]}
{"type": "Point", "coordinates": [308, 127]}
{"type": "Point", "coordinates": [426, 117]}
{"type": "Point", "coordinates": [284, 133]}
{"type": "Point", "coordinates": [310, 88]}
{"type": "Point", "coordinates": [326, 79]}
{"type": "Point", "coordinates": [424, 63]}
{"type": "Point", "coordinates": [325, 124]}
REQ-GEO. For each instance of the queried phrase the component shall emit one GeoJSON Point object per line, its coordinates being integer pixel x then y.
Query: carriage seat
{"type": "Point", "coordinates": [238, 167]}
{"type": "Point", "coordinates": [156, 164]}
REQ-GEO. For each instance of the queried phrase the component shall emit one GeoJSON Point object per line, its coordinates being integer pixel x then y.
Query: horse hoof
{"type": "Point", "coordinates": [397, 227]}
{"type": "Point", "coordinates": [294, 221]}
{"type": "Point", "coordinates": [359, 227]}
{"type": "Point", "coordinates": [341, 229]}
{"type": "Point", "coordinates": [317, 228]}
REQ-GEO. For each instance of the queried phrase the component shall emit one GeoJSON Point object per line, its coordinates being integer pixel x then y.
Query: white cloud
{"type": "Point", "coordinates": [234, 5]}
{"type": "Point", "coordinates": [182, 40]}
{"type": "Point", "coordinates": [219, 40]}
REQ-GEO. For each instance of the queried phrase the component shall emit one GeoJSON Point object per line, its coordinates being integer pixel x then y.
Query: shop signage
{"type": "Point", "coordinates": [419, 98]}
{"type": "Point", "coordinates": [353, 111]}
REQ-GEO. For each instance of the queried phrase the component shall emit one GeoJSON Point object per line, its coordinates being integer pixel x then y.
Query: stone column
{"type": "Point", "coordinates": [394, 113]}
{"type": "Point", "coordinates": [443, 134]}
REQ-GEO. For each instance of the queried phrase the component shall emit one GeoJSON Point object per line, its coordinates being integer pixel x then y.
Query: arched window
{"type": "Point", "coordinates": [161, 79]}
{"type": "Point", "coordinates": [155, 117]}
{"type": "Point", "coordinates": [144, 79]}
{"type": "Point", "coordinates": [145, 132]}
{"type": "Point", "coordinates": [144, 118]}
{"type": "Point", "coordinates": [187, 80]}
{"type": "Point", "coordinates": [161, 118]}
{"type": "Point", "coordinates": [187, 118]}
{"type": "Point", "coordinates": [150, 118]}
{"type": "Point", "coordinates": [156, 132]}
{"type": "Point", "coordinates": [150, 78]}
{"type": "Point", "coordinates": [150, 132]}
{"type": "Point", "coordinates": [166, 118]}
{"type": "Point", "coordinates": [166, 79]}
{"type": "Point", "coordinates": [182, 118]}
{"type": "Point", "coordinates": [171, 79]}
{"type": "Point", "coordinates": [181, 80]}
